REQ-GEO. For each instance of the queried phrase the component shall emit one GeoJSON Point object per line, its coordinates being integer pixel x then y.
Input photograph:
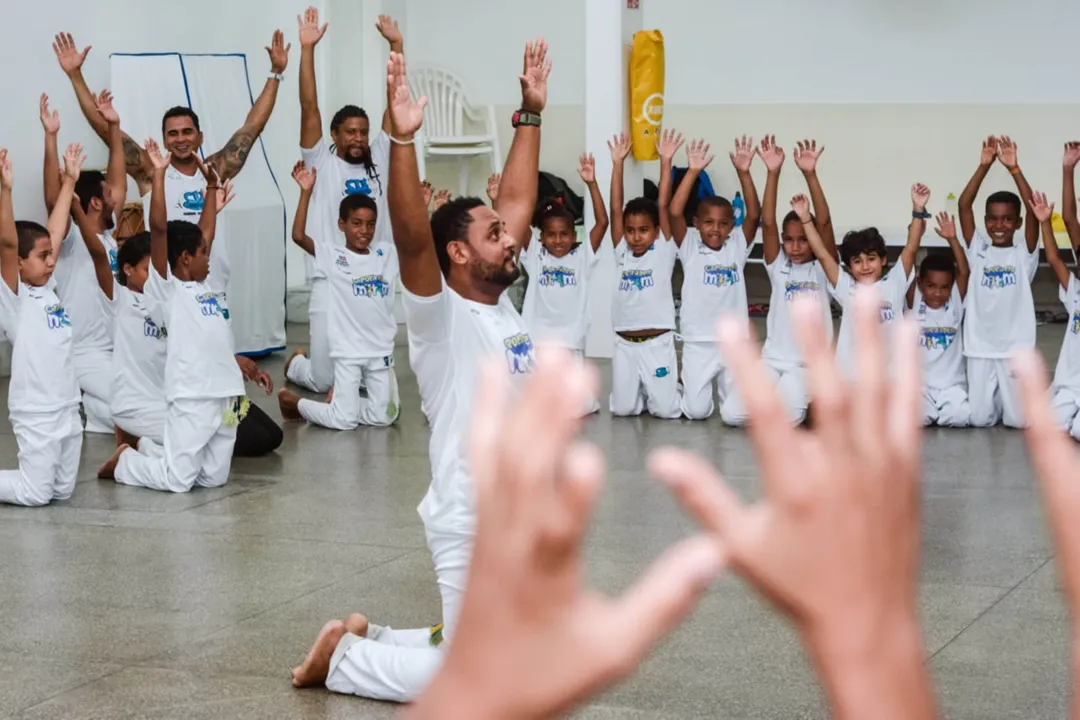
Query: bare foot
{"type": "Point", "coordinates": [297, 351]}
{"type": "Point", "coordinates": [317, 663]}
{"type": "Point", "coordinates": [330, 395]}
{"type": "Point", "coordinates": [357, 624]}
{"type": "Point", "coordinates": [123, 438]}
{"type": "Point", "coordinates": [289, 403]}
{"type": "Point", "coordinates": [108, 470]}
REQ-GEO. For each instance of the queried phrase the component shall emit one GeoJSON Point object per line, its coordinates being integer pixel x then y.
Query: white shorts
{"type": "Point", "coordinates": [790, 384]}
{"type": "Point", "coordinates": [1066, 403]}
{"type": "Point", "coordinates": [702, 369]}
{"type": "Point", "coordinates": [49, 448]}
{"type": "Point", "coordinates": [645, 375]}
{"type": "Point", "coordinates": [992, 393]}
{"type": "Point", "coordinates": [94, 370]}
{"type": "Point", "coordinates": [316, 371]}
{"type": "Point", "coordinates": [148, 422]}
{"type": "Point", "coordinates": [948, 407]}
{"type": "Point", "coordinates": [347, 410]}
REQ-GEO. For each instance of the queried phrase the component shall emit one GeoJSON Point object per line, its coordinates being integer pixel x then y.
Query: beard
{"type": "Point", "coordinates": [497, 273]}
{"type": "Point", "coordinates": [361, 158]}
{"type": "Point", "coordinates": [108, 220]}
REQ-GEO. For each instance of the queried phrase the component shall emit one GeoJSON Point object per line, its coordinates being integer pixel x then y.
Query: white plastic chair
{"type": "Point", "coordinates": [445, 123]}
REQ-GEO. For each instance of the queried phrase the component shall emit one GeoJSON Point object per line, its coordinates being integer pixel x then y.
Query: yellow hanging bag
{"type": "Point", "coordinates": [646, 92]}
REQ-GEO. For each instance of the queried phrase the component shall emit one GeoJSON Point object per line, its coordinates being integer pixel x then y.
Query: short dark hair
{"type": "Point", "coordinates": [180, 111]}
{"type": "Point", "coordinates": [352, 203]}
{"type": "Point", "coordinates": [29, 233]}
{"type": "Point", "coordinates": [345, 113]}
{"type": "Point", "coordinates": [1004, 197]}
{"type": "Point", "coordinates": [642, 206]}
{"type": "Point", "coordinates": [134, 249]}
{"type": "Point", "coordinates": [554, 208]}
{"type": "Point", "coordinates": [714, 201]}
{"type": "Point", "coordinates": [450, 223]}
{"type": "Point", "coordinates": [938, 262]}
{"type": "Point", "coordinates": [184, 237]}
{"type": "Point", "coordinates": [89, 187]}
{"type": "Point", "coordinates": [790, 217]}
{"type": "Point", "coordinates": [862, 242]}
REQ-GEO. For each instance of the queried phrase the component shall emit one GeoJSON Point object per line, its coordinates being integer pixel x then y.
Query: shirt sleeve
{"type": "Point", "coordinates": [159, 288]}
{"type": "Point", "coordinates": [531, 254]}
{"type": "Point", "coordinates": [771, 268]}
{"type": "Point", "coordinates": [380, 150]}
{"type": "Point", "coordinates": [9, 311]}
{"type": "Point", "coordinates": [427, 318]}
{"type": "Point", "coordinates": [1031, 260]}
{"type": "Point", "coordinates": [738, 236]}
{"type": "Point", "coordinates": [689, 244]}
{"type": "Point", "coordinates": [842, 291]}
{"type": "Point", "coordinates": [317, 156]}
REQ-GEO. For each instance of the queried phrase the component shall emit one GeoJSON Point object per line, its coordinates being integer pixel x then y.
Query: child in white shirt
{"type": "Point", "coordinates": [43, 396]}
{"type": "Point", "coordinates": [361, 277]}
{"type": "Point", "coordinates": [937, 301]}
{"type": "Point", "coordinates": [559, 269]}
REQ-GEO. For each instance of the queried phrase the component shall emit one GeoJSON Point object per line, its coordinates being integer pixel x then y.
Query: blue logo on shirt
{"type": "Point", "coordinates": [662, 372]}
{"type": "Point", "coordinates": [558, 276]}
{"type": "Point", "coordinates": [793, 289]}
{"type": "Point", "coordinates": [996, 277]}
{"type": "Point", "coordinates": [721, 275]}
{"type": "Point", "coordinates": [152, 330]}
{"type": "Point", "coordinates": [57, 317]}
{"type": "Point", "coordinates": [885, 312]}
{"type": "Point", "coordinates": [112, 260]}
{"type": "Point", "coordinates": [370, 286]}
{"type": "Point", "coordinates": [519, 353]}
{"type": "Point", "coordinates": [193, 201]}
{"type": "Point", "coordinates": [210, 305]}
{"type": "Point", "coordinates": [937, 338]}
{"type": "Point", "coordinates": [635, 280]}
{"type": "Point", "coordinates": [357, 186]}
{"type": "Point", "coordinates": [1074, 326]}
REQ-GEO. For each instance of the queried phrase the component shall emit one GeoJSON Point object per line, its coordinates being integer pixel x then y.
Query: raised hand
{"type": "Point", "coordinates": [1041, 207]}
{"type": "Point", "coordinates": [209, 173]}
{"type": "Point", "coordinates": [406, 114]}
{"type": "Point", "coordinates": [801, 205]}
{"type": "Point", "coordinates": [308, 29]}
{"type": "Point", "coordinates": [388, 28]}
{"type": "Point", "coordinates": [303, 176]}
{"type": "Point", "coordinates": [771, 153]}
{"type": "Point", "coordinates": [50, 121]}
{"type": "Point", "coordinates": [989, 151]}
{"type": "Point", "coordinates": [441, 198]}
{"type": "Point", "coordinates": [104, 103]}
{"type": "Point", "coordinates": [807, 155]}
{"type": "Point", "coordinates": [158, 159]}
{"type": "Point", "coordinates": [743, 156]}
{"type": "Point", "coordinates": [278, 52]}
{"type": "Point", "coordinates": [534, 76]}
{"type": "Point", "coordinates": [7, 177]}
{"type": "Point", "coordinates": [1072, 154]}
{"type": "Point", "coordinates": [73, 161]}
{"type": "Point", "coordinates": [920, 196]}
{"type": "Point", "coordinates": [67, 54]}
{"type": "Point", "coordinates": [620, 147]}
{"type": "Point", "coordinates": [587, 168]}
{"type": "Point", "coordinates": [697, 155]}
{"type": "Point", "coordinates": [493, 186]}
{"type": "Point", "coordinates": [1006, 152]}
{"type": "Point", "coordinates": [946, 226]}
{"type": "Point", "coordinates": [225, 195]}
{"type": "Point", "coordinates": [668, 143]}
{"type": "Point", "coordinates": [428, 192]}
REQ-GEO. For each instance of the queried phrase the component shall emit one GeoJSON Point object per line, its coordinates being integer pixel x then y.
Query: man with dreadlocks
{"type": "Point", "coordinates": [355, 164]}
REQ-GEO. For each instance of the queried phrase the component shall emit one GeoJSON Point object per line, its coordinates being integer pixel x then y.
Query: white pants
{"type": "Point", "coordinates": [316, 371]}
{"type": "Point", "coordinates": [946, 408]}
{"type": "Point", "coordinates": [645, 375]}
{"type": "Point", "coordinates": [1066, 402]}
{"type": "Point", "coordinates": [148, 422]}
{"type": "Point", "coordinates": [94, 371]}
{"type": "Point", "coordinates": [347, 409]}
{"type": "Point", "coordinates": [49, 449]}
{"type": "Point", "coordinates": [197, 450]}
{"type": "Point", "coordinates": [992, 393]}
{"type": "Point", "coordinates": [790, 384]}
{"type": "Point", "coordinates": [396, 665]}
{"type": "Point", "coordinates": [702, 369]}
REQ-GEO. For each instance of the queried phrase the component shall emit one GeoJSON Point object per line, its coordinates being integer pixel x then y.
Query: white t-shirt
{"type": "Point", "coordinates": [335, 179]}
{"type": "Point", "coordinates": [892, 290]}
{"type": "Point", "coordinates": [643, 298]}
{"type": "Point", "coordinates": [1067, 374]}
{"type": "Point", "coordinates": [790, 282]}
{"type": "Point", "coordinates": [139, 353]}
{"type": "Point", "coordinates": [1000, 311]}
{"type": "Point", "coordinates": [362, 324]}
{"type": "Point", "coordinates": [449, 338]}
{"type": "Point", "coordinates": [556, 301]}
{"type": "Point", "coordinates": [42, 365]}
{"type": "Point", "coordinates": [714, 284]}
{"type": "Point", "coordinates": [200, 363]}
{"type": "Point", "coordinates": [942, 341]}
{"type": "Point", "coordinates": [79, 292]}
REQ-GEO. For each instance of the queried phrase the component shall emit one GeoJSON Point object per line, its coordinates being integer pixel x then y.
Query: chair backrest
{"type": "Point", "coordinates": [447, 100]}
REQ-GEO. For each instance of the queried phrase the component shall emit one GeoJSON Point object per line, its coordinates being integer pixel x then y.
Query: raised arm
{"type": "Point", "coordinates": [698, 158]}
{"type": "Point", "coordinates": [9, 236]}
{"type": "Point", "coordinates": [920, 196]}
{"type": "Point", "coordinates": [388, 28]}
{"type": "Point", "coordinates": [807, 155]}
{"type": "Point", "coordinates": [306, 180]}
{"type": "Point", "coordinates": [742, 158]}
{"type": "Point", "coordinates": [773, 157]}
{"type": "Point", "coordinates": [310, 33]}
{"type": "Point", "coordinates": [419, 264]}
{"type": "Point", "coordinates": [208, 216]}
{"type": "Point", "coordinates": [946, 229]}
{"type": "Point", "coordinates": [620, 148]}
{"type": "Point", "coordinates": [801, 205]}
{"type": "Point", "coordinates": [98, 254]}
{"type": "Point", "coordinates": [667, 144]}
{"type": "Point", "coordinates": [1068, 195]}
{"type": "Point", "coordinates": [50, 122]}
{"type": "Point", "coordinates": [517, 192]}
{"type": "Point", "coordinates": [966, 203]}
{"type": "Point", "coordinates": [1006, 153]}
{"type": "Point", "coordinates": [230, 160]}
{"type": "Point", "coordinates": [60, 217]}
{"type": "Point", "coordinates": [587, 171]}
{"type": "Point", "coordinates": [1043, 211]}
{"type": "Point", "coordinates": [159, 217]}
{"type": "Point", "coordinates": [116, 173]}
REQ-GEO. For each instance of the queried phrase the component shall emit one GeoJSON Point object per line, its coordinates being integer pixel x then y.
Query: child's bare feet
{"type": "Point", "coordinates": [317, 663]}
{"type": "Point", "coordinates": [108, 470]}
{"type": "Point", "coordinates": [289, 403]}
{"type": "Point", "coordinates": [123, 438]}
{"type": "Point", "coordinates": [297, 351]}
{"type": "Point", "coordinates": [357, 624]}
{"type": "Point", "coordinates": [330, 395]}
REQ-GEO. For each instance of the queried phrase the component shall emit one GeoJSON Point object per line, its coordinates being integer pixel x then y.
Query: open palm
{"type": "Point", "coordinates": [70, 58]}
{"type": "Point", "coordinates": [106, 108]}
{"type": "Point", "coordinates": [534, 76]}
{"type": "Point", "coordinates": [308, 29]}
{"type": "Point", "coordinates": [406, 114]}
{"type": "Point", "coordinates": [50, 120]}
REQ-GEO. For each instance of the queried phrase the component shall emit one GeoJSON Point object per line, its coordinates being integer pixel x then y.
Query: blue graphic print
{"type": "Point", "coordinates": [211, 306]}
{"type": "Point", "coordinates": [192, 201]}
{"type": "Point", "coordinates": [635, 280]}
{"type": "Point", "coordinates": [357, 186]}
{"type": "Point", "coordinates": [370, 286]}
{"type": "Point", "coordinates": [937, 338]}
{"type": "Point", "coordinates": [519, 353]}
{"type": "Point", "coordinates": [885, 312]}
{"type": "Point", "coordinates": [996, 277]}
{"type": "Point", "coordinates": [662, 372]}
{"type": "Point", "coordinates": [721, 275]}
{"type": "Point", "coordinates": [558, 276]}
{"type": "Point", "coordinates": [152, 330]}
{"type": "Point", "coordinates": [57, 317]}
{"type": "Point", "coordinates": [112, 260]}
{"type": "Point", "coordinates": [794, 289]}
{"type": "Point", "coordinates": [1074, 324]}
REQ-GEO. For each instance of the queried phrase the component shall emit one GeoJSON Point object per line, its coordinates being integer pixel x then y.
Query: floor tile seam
{"type": "Point", "coordinates": [225, 533]}
{"type": "Point", "coordinates": [121, 667]}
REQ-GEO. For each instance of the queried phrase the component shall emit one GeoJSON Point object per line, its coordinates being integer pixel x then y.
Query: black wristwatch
{"type": "Point", "coordinates": [524, 117]}
{"type": "Point", "coordinates": [921, 215]}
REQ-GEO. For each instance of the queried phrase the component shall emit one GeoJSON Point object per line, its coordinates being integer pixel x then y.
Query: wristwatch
{"type": "Point", "coordinates": [921, 215]}
{"type": "Point", "coordinates": [524, 117]}
{"type": "Point", "coordinates": [275, 76]}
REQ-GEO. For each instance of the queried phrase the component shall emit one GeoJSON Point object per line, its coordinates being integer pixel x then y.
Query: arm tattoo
{"type": "Point", "coordinates": [229, 161]}
{"type": "Point", "coordinates": [133, 159]}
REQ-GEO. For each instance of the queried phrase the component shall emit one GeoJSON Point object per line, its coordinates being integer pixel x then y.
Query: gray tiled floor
{"type": "Point", "coordinates": [124, 603]}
